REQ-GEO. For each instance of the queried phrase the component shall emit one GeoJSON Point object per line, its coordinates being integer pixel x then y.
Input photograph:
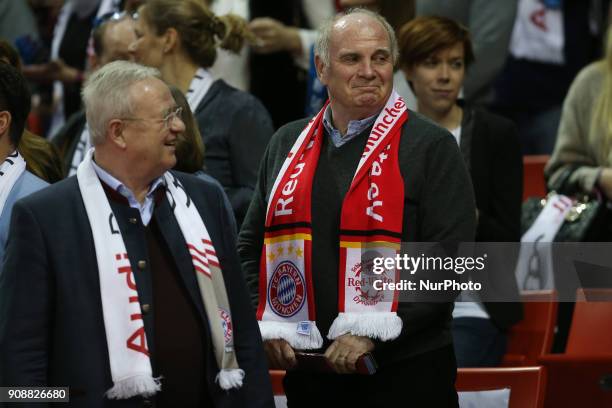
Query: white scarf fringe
{"type": "Point", "coordinates": [144, 385]}
{"type": "Point", "coordinates": [383, 326]}
{"type": "Point", "coordinates": [230, 378]}
{"type": "Point", "coordinates": [271, 330]}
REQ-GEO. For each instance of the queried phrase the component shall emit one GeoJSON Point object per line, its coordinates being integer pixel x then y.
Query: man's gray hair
{"type": "Point", "coordinates": [106, 94]}
{"type": "Point", "coordinates": [324, 35]}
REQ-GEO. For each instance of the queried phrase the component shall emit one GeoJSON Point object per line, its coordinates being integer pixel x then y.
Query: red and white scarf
{"type": "Point", "coordinates": [125, 332]}
{"type": "Point", "coordinates": [370, 226]}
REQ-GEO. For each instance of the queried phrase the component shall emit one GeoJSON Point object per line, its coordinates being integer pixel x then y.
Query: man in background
{"type": "Point", "coordinates": [15, 181]}
{"type": "Point", "coordinates": [110, 41]}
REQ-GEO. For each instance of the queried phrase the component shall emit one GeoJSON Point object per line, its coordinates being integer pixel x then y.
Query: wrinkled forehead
{"type": "Point", "coordinates": [358, 27]}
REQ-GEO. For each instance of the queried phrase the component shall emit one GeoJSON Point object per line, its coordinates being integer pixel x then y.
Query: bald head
{"type": "Point", "coordinates": [115, 39]}
{"type": "Point", "coordinates": [352, 19]}
{"type": "Point", "coordinates": [358, 72]}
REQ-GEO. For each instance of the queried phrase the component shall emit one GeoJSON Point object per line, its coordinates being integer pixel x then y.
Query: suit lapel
{"type": "Point", "coordinates": [215, 88]}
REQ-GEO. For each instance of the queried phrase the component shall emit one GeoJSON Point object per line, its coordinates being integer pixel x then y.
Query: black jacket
{"type": "Point", "coordinates": [235, 128]}
{"type": "Point", "coordinates": [490, 147]}
{"type": "Point", "coordinates": [52, 327]}
{"type": "Point", "coordinates": [68, 137]}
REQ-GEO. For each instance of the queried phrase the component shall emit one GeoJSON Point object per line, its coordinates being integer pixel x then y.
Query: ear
{"type": "Point", "coordinates": [115, 133]}
{"type": "Point", "coordinates": [321, 70]}
{"type": "Point", "coordinates": [5, 123]}
{"type": "Point", "coordinates": [170, 40]}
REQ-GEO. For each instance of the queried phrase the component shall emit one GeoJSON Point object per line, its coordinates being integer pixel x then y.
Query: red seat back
{"type": "Point", "coordinates": [591, 331]}
{"type": "Point", "coordinates": [532, 336]}
{"type": "Point", "coordinates": [527, 384]}
{"type": "Point", "coordinates": [276, 377]}
{"type": "Point", "coordinates": [533, 176]}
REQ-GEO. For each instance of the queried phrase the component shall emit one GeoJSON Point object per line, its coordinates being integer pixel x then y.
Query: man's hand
{"type": "Point", "coordinates": [273, 36]}
{"type": "Point", "coordinates": [346, 350]}
{"type": "Point", "coordinates": [56, 70]}
{"type": "Point", "coordinates": [280, 354]}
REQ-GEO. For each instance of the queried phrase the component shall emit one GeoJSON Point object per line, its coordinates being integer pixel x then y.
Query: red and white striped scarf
{"type": "Point", "coordinates": [370, 226]}
{"type": "Point", "coordinates": [123, 323]}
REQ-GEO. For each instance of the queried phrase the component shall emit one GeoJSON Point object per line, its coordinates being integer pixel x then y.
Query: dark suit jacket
{"type": "Point", "coordinates": [490, 147]}
{"type": "Point", "coordinates": [68, 137]}
{"type": "Point", "coordinates": [52, 329]}
{"type": "Point", "coordinates": [235, 128]}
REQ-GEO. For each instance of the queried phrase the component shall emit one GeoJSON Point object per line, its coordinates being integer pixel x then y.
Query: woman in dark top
{"type": "Point", "coordinates": [180, 38]}
{"type": "Point", "coordinates": [434, 54]}
{"type": "Point", "coordinates": [190, 149]}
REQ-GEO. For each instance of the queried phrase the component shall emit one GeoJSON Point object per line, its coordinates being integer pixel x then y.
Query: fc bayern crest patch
{"type": "Point", "coordinates": [286, 291]}
{"type": "Point", "coordinates": [226, 322]}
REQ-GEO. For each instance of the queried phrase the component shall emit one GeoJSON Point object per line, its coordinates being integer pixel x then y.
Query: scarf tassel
{"type": "Point", "coordinates": [383, 326]}
{"type": "Point", "coordinates": [132, 386]}
{"type": "Point", "coordinates": [288, 331]}
{"type": "Point", "coordinates": [230, 378]}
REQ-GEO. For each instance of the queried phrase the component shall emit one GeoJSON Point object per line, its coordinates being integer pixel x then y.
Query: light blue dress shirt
{"type": "Point", "coordinates": [355, 127]}
{"type": "Point", "coordinates": [147, 206]}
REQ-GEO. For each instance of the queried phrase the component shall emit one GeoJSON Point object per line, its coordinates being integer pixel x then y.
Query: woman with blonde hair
{"type": "Point", "coordinates": [180, 38]}
{"type": "Point", "coordinates": [582, 159]}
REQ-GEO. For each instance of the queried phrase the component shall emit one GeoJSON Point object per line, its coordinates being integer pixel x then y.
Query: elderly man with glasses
{"type": "Point", "coordinates": [123, 283]}
{"type": "Point", "coordinates": [334, 194]}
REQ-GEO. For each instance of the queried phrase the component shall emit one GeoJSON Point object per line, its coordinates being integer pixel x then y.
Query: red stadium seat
{"type": "Point", "coordinates": [276, 376]}
{"type": "Point", "coordinates": [527, 384]}
{"type": "Point", "coordinates": [533, 176]}
{"type": "Point", "coordinates": [575, 377]}
{"type": "Point", "coordinates": [533, 336]}
{"type": "Point", "coordinates": [590, 331]}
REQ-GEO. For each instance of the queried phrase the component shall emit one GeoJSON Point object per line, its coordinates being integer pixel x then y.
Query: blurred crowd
{"type": "Point", "coordinates": [505, 78]}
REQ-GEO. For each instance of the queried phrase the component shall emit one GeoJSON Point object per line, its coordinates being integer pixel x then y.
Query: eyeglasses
{"type": "Point", "coordinates": [167, 120]}
{"type": "Point", "coordinates": [112, 16]}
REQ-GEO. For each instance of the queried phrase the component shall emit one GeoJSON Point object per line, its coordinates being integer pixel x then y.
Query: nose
{"type": "Point", "coordinates": [177, 125]}
{"type": "Point", "coordinates": [444, 72]}
{"type": "Point", "coordinates": [366, 70]}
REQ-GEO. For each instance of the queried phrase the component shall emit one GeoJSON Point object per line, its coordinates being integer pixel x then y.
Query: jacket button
{"type": "Point", "coordinates": [145, 308]}
{"type": "Point", "coordinates": [142, 265]}
{"type": "Point", "coordinates": [133, 220]}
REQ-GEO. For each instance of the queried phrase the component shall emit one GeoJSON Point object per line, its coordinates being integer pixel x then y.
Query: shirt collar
{"type": "Point", "coordinates": [119, 187]}
{"type": "Point", "coordinates": [355, 127]}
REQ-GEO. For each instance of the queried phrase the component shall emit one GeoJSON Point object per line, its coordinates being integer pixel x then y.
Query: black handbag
{"type": "Point", "coordinates": [587, 221]}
